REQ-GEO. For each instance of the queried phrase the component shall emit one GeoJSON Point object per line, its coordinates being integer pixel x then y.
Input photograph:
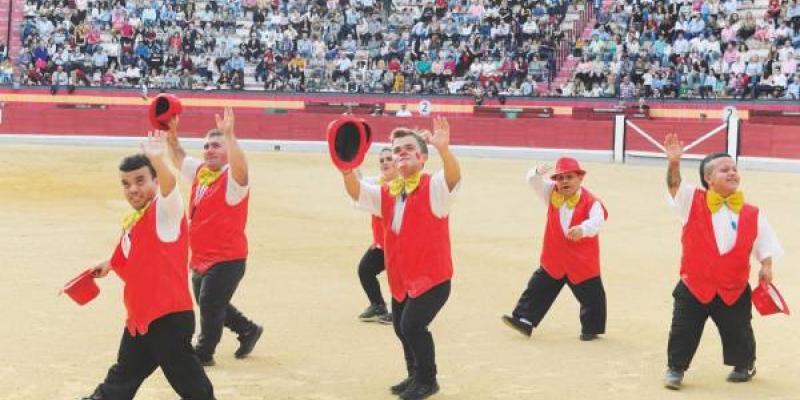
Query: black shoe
{"type": "Point", "coordinates": [741, 374]}
{"type": "Point", "coordinates": [419, 391]}
{"type": "Point", "coordinates": [673, 379]}
{"type": "Point", "coordinates": [373, 313]}
{"type": "Point", "coordinates": [402, 386]}
{"type": "Point", "coordinates": [523, 327]}
{"type": "Point", "coordinates": [588, 337]}
{"type": "Point", "coordinates": [386, 319]}
{"type": "Point", "coordinates": [247, 341]}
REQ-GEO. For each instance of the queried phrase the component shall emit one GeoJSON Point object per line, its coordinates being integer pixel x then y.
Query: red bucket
{"type": "Point", "coordinates": [82, 289]}
{"type": "Point", "coordinates": [768, 300]}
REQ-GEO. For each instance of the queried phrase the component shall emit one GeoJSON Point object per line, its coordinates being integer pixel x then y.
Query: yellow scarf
{"type": "Point", "coordinates": [407, 186]}
{"type": "Point", "coordinates": [557, 199]}
{"type": "Point", "coordinates": [130, 219]}
{"type": "Point", "coordinates": [715, 201]}
{"type": "Point", "coordinates": [205, 177]}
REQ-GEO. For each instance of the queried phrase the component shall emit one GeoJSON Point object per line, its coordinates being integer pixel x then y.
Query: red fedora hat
{"type": "Point", "coordinates": [82, 289]}
{"type": "Point", "coordinates": [567, 164]}
{"type": "Point", "coordinates": [349, 139]}
{"type": "Point", "coordinates": [768, 300]}
{"type": "Point", "coordinates": [162, 108]}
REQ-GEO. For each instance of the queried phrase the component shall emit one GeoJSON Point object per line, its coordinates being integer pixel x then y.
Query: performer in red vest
{"type": "Point", "coordinates": [570, 252]}
{"type": "Point", "coordinates": [151, 259]}
{"type": "Point", "coordinates": [414, 209]}
{"type": "Point", "coordinates": [218, 216]}
{"type": "Point", "coordinates": [720, 232]}
{"type": "Point", "coordinates": [372, 263]}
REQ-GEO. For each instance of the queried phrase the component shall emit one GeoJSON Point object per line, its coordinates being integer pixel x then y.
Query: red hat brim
{"type": "Point", "coordinates": [767, 300]}
{"type": "Point", "coordinates": [577, 171]}
{"type": "Point", "coordinates": [82, 289]}
{"type": "Point", "coordinates": [162, 109]}
{"type": "Point", "coordinates": [349, 139]}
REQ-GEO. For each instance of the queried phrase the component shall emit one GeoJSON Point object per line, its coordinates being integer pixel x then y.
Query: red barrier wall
{"type": "Point", "coordinates": [253, 122]}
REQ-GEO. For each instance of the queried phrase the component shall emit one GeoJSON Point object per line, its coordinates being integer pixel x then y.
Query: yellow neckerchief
{"type": "Point", "coordinates": [715, 201]}
{"type": "Point", "coordinates": [205, 176]}
{"type": "Point", "coordinates": [405, 186]}
{"type": "Point", "coordinates": [130, 219]}
{"type": "Point", "coordinates": [557, 199]}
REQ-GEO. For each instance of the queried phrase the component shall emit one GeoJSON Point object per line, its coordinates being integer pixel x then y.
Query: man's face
{"type": "Point", "coordinates": [723, 177]}
{"type": "Point", "coordinates": [408, 157]}
{"type": "Point", "coordinates": [215, 152]}
{"type": "Point", "coordinates": [568, 183]}
{"type": "Point", "coordinates": [388, 167]}
{"type": "Point", "coordinates": [139, 186]}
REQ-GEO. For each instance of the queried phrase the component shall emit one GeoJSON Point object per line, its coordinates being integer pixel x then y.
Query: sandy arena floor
{"type": "Point", "coordinates": [60, 212]}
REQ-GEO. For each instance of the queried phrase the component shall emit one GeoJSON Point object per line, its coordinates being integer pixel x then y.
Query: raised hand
{"type": "Point", "coordinates": [543, 169]}
{"type": "Point", "coordinates": [441, 133]}
{"type": "Point", "coordinates": [155, 146]}
{"type": "Point", "coordinates": [225, 124]}
{"type": "Point", "coordinates": [673, 147]}
{"type": "Point", "coordinates": [101, 269]}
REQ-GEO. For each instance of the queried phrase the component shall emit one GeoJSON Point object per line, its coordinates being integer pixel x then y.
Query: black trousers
{"type": "Point", "coordinates": [213, 292]}
{"type": "Point", "coordinates": [411, 319]}
{"type": "Point", "coordinates": [543, 289]}
{"type": "Point", "coordinates": [368, 269]}
{"type": "Point", "coordinates": [733, 322]}
{"type": "Point", "coordinates": [167, 344]}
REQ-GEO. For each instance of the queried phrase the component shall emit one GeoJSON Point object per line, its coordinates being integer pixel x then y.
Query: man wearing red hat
{"type": "Point", "coordinates": [570, 252]}
{"type": "Point", "coordinates": [720, 232]}
{"type": "Point", "coordinates": [151, 259]}
{"type": "Point", "coordinates": [372, 263]}
{"type": "Point", "coordinates": [218, 214]}
{"type": "Point", "coordinates": [414, 209]}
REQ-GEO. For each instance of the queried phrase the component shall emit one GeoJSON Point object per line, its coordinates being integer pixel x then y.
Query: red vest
{"type": "Point", "coordinates": [704, 271]}
{"type": "Point", "coordinates": [377, 232]}
{"type": "Point", "coordinates": [561, 256]}
{"type": "Point", "coordinates": [216, 232]}
{"type": "Point", "coordinates": [418, 258]}
{"type": "Point", "coordinates": [155, 273]}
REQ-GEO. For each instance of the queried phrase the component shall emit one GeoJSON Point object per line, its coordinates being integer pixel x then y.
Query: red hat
{"type": "Point", "coordinates": [567, 164]}
{"type": "Point", "coordinates": [162, 108]}
{"type": "Point", "coordinates": [768, 300]}
{"type": "Point", "coordinates": [349, 138]}
{"type": "Point", "coordinates": [82, 289]}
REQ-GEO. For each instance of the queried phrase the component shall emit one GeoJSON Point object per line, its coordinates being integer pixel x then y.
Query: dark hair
{"type": "Point", "coordinates": [704, 165]}
{"type": "Point", "coordinates": [398, 133]}
{"type": "Point", "coordinates": [136, 161]}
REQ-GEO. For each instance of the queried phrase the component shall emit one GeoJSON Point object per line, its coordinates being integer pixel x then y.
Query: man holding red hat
{"type": "Point", "coordinates": [151, 259]}
{"type": "Point", "coordinates": [570, 252]}
{"type": "Point", "coordinates": [720, 232]}
{"type": "Point", "coordinates": [414, 209]}
{"type": "Point", "coordinates": [218, 215]}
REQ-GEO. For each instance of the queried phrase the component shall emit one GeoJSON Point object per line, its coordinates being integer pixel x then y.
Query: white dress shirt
{"type": "Point", "coordinates": [169, 212]}
{"type": "Point", "coordinates": [234, 193]}
{"type": "Point", "coordinates": [442, 198]}
{"type": "Point", "coordinates": [590, 227]}
{"type": "Point", "coordinates": [725, 224]}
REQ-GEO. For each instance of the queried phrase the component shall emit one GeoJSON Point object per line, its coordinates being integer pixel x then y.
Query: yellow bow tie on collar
{"type": "Point", "coordinates": [205, 177]}
{"type": "Point", "coordinates": [407, 186]}
{"type": "Point", "coordinates": [558, 199]}
{"type": "Point", "coordinates": [715, 201]}
{"type": "Point", "coordinates": [130, 219]}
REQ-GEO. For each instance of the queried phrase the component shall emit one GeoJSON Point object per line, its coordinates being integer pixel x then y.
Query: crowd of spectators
{"type": "Point", "coordinates": [691, 49]}
{"type": "Point", "coordinates": [481, 47]}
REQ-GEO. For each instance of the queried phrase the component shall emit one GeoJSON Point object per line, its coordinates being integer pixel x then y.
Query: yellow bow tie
{"type": "Point", "coordinates": [130, 219]}
{"type": "Point", "coordinates": [558, 199]}
{"type": "Point", "coordinates": [715, 201]}
{"type": "Point", "coordinates": [206, 176]}
{"type": "Point", "coordinates": [407, 186]}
